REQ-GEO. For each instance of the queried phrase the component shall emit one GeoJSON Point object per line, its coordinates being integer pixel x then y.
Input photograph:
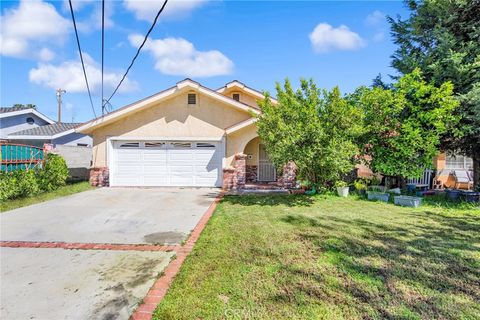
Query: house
{"type": "Point", "coordinates": [186, 135]}
{"type": "Point", "coordinates": [26, 125]}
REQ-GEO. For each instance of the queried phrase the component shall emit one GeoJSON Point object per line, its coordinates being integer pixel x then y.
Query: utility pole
{"type": "Point", "coordinates": [59, 100]}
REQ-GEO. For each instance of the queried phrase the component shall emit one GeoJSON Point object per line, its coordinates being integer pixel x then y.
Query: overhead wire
{"type": "Point", "coordinates": [81, 57]}
{"type": "Point", "coordinates": [138, 50]}
{"type": "Point", "coordinates": [103, 50]}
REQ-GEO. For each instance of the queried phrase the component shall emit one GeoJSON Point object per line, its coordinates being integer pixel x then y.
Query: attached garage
{"type": "Point", "coordinates": [166, 163]}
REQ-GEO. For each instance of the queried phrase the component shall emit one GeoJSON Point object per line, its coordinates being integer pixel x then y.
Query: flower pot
{"type": "Point", "coordinates": [380, 196]}
{"type": "Point", "coordinates": [470, 196]}
{"type": "Point", "coordinates": [407, 201]}
{"type": "Point", "coordinates": [452, 194]}
{"type": "Point", "coordinates": [342, 191]}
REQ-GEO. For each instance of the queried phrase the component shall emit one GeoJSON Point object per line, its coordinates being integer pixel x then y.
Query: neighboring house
{"type": "Point", "coordinates": [186, 135]}
{"type": "Point", "coordinates": [24, 125]}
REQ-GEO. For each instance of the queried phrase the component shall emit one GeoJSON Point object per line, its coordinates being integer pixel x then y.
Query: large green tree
{"type": "Point", "coordinates": [314, 128]}
{"type": "Point", "coordinates": [442, 38]}
{"type": "Point", "coordinates": [404, 125]}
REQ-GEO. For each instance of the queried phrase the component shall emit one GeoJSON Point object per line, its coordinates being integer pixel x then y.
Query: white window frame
{"type": "Point", "coordinates": [457, 163]}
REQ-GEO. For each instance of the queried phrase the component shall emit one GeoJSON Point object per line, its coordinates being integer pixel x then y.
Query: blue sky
{"type": "Point", "coordinates": [257, 42]}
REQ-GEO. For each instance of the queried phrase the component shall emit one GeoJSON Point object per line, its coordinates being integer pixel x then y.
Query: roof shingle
{"type": "Point", "coordinates": [47, 130]}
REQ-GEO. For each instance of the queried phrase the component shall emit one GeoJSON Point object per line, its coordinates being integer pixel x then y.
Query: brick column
{"type": "Point", "coordinates": [240, 174]}
{"type": "Point", "coordinates": [289, 177]}
{"type": "Point", "coordinates": [235, 177]}
{"type": "Point", "coordinates": [99, 177]}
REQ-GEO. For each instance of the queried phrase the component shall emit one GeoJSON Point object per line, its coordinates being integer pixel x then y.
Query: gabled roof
{"type": "Point", "coordinates": [18, 110]}
{"type": "Point", "coordinates": [180, 87]}
{"type": "Point", "coordinates": [245, 88]}
{"type": "Point", "coordinates": [50, 131]}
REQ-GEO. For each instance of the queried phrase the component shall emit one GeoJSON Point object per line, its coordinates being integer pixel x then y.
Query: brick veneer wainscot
{"type": "Point", "coordinates": [99, 177]}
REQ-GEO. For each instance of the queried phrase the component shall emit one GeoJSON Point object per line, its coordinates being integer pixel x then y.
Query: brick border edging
{"type": "Point", "coordinates": [87, 246]}
{"type": "Point", "coordinates": [159, 289]}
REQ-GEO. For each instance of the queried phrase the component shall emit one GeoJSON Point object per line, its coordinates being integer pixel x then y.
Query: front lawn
{"type": "Point", "coordinates": [60, 192]}
{"type": "Point", "coordinates": [297, 257]}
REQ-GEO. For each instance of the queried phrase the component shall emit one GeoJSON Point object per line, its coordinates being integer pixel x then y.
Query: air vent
{"type": "Point", "coordinates": [192, 99]}
{"type": "Point", "coordinates": [236, 96]}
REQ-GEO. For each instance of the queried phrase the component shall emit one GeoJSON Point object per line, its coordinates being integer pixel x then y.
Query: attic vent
{"type": "Point", "coordinates": [192, 99]}
{"type": "Point", "coordinates": [236, 96]}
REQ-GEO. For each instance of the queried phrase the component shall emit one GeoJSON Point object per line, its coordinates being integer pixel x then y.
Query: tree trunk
{"type": "Point", "coordinates": [476, 171]}
{"type": "Point", "coordinates": [402, 183]}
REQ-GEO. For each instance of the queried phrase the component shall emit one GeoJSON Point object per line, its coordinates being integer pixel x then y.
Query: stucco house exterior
{"type": "Point", "coordinates": [25, 125]}
{"type": "Point", "coordinates": [186, 135]}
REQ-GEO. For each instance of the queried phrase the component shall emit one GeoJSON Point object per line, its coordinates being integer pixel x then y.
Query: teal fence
{"type": "Point", "coordinates": [20, 157]}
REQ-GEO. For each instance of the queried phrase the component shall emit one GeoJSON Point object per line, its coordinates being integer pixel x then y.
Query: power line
{"type": "Point", "coordinates": [139, 49]}
{"type": "Point", "coordinates": [81, 57]}
{"type": "Point", "coordinates": [103, 49]}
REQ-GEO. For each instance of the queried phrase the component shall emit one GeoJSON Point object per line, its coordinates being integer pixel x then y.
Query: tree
{"type": "Point", "coordinates": [314, 128]}
{"type": "Point", "coordinates": [29, 105]}
{"type": "Point", "coordinates": [442, 38]}
{"type": "Point", "coordinates": [404, 125]}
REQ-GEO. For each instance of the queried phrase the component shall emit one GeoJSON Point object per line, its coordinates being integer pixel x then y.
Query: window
{"type": "Point", "coordinates": [181, 145]}
{"type": "Point", "coordinates": [205, 145]}
{"type": "Point", "coordinates": [30, 120]}
{"type": "Point", "coordinates": [130, 145]}
{"type": "Point", "coordinates": [192, 99]}
{"type": "Point", "coordinates": [236, 96]}
{"type": "Point", "coordinates": [156, 145]}
{"type": "Point", "coordinates": [459, 162]}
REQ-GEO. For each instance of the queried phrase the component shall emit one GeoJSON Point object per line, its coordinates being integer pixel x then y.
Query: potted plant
{"type": "Point", "coordinates": [360, 186]}
{"type": "Point", "coordinates": [452, 194]}
{"type": "Point", "coordinates": [378, 193]}
{"type": "Point", "coordinates": [470, 196]}
{"type": "Point", "coordinates": [342, 188]}
{"type": "Point", "coordinates": [407, 201]}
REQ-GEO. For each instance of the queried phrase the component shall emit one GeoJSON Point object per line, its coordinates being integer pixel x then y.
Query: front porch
{"type": "Point", "coordinates": [251, 169]}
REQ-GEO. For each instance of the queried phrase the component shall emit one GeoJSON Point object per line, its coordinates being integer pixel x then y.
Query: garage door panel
{"type": "Point", "coordinates": [157, 163]}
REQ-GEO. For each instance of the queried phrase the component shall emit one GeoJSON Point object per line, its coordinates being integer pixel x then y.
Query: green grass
{"type": "Point", "coordinates": [61, 192]}
{"type": "Point", "coordinates": [326, 257]}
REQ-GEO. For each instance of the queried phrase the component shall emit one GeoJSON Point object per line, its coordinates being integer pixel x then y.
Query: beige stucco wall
{"type": "Point", "coordinates": [246, 98]}
{"type": "Point", "coordinates": [237, 141]}
{"type": "Point", "coordinates": [171, 118]}
{"type": "Point", "coordinates": [252, 148]}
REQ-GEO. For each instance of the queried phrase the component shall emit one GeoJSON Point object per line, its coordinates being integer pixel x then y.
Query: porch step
{"type": "Point", "coordinates": [258, 191]}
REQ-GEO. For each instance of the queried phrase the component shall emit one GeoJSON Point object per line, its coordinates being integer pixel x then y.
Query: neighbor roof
{"type": "Point", "coordinates": [48, 131]}
{"type": "Point", "coordinates": [179, 87]}
{"type": "Point", "coordinates": [18, 110]}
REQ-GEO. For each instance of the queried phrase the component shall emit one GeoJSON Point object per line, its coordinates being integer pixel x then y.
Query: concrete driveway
{"type": "Point", "coordinates": [56, 283]}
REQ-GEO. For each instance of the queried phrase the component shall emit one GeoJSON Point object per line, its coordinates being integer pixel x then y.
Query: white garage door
{"type": "Point", "coordinates": [166, 163]}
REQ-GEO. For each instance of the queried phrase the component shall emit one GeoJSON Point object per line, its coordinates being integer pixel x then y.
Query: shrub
{"type": "Point", "coordinates": [54, 173]}
{"type": "Point", "coordinates": [18, 184]}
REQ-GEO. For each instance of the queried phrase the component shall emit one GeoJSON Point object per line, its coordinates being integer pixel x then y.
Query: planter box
{"type": "Point", "coordinates": [343, 191]}
{"type": "Point", "coordinates": [407, 201]}
{"type": "Point", "coordinates": [380, 196]}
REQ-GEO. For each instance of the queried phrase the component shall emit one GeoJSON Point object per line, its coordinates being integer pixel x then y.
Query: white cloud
{"type": "Point", "coordinates": [325, 38]}
{"type": "Point", "coordinates": [177, 56]}
{"type": "Point", "coordinates": [375, 18]}
{"type": "Point", "coordinates": [29, 27]}
{"type": "Point", "coordinates": [69, 76]}
{"type": "Point", "coordinates": [94, 20]}
{"type": "Point", "coordinates": [147, 9]}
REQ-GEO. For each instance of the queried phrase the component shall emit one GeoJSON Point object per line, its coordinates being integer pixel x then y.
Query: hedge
{"type": "Point", "coordinates": [25, 183]}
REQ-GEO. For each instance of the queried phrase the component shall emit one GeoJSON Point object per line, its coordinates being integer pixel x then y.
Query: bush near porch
{"type": "Point", "coordinates": [324, 257]}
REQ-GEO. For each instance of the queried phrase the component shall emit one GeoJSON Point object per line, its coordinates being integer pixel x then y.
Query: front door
{"type": "Point", "coordinates": [266, 170]}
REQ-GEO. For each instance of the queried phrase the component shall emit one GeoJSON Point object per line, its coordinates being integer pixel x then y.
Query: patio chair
{"type": "Point", "coordinates": [462, 177]}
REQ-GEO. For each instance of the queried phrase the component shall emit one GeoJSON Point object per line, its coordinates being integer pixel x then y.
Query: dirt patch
{"type": "Point", "coordinates": [162, 238]}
